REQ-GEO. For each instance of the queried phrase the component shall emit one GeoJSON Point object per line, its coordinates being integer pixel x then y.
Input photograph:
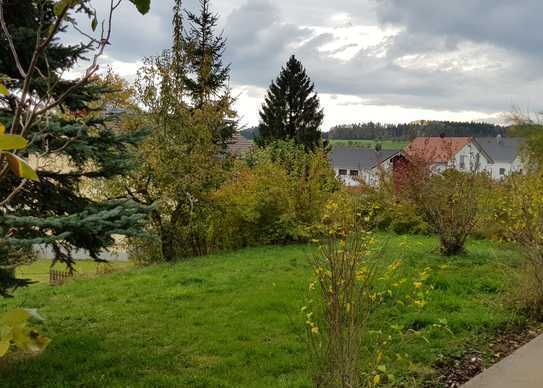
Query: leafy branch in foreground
{"type": "Point", "coordinates": [14, 332]}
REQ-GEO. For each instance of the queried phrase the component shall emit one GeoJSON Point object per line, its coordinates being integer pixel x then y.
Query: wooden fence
{"type": "Point", "coordinates": [58, 277]}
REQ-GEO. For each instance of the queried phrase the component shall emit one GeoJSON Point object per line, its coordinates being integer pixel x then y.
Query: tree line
{"type": "Point", "coordinates": [408, 131]}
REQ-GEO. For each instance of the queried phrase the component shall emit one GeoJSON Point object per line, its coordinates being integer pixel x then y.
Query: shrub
{"type": "Point", "coordinates": [385, 210]}
{"type": "Point", "coordinates": [351, 281]}
{"type": "Point", "coordinates": [274, 196]}
{"type": "Point", "coordinates": [344, 275]}
{"type": "Point", "coordinates": [520, 213]}
{"type": "Point", "coordinates": [448, 202]}
{"type": "Point", "coordinates": [256, 206]}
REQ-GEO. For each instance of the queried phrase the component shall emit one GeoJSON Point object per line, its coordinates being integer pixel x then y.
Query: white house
{"type": "Point", "coordinates": [441, 153]}
{"type": "Point", "coordinates": [505, 153]}
{"type": "Point", "coordinates": [354, 165]}
{"type": "Point", "coordinates": [497, 156]}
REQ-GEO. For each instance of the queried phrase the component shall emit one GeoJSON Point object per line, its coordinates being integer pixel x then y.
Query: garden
{"type": "Point", "coordinates": [235, 319]}
{"type": "Point", "coordinates": [254, 268]}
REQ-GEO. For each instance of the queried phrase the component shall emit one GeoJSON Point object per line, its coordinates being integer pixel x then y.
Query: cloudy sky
{"type": "Point", "coordinates": [380, 60]}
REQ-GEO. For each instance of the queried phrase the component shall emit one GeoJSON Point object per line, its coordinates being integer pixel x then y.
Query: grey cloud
{"type": "Point", "coordinates": [263, 33]}
{"type": "Point", "coordinates": [504, 23]}
{"type": "Point", "coordinates": [258, 42]}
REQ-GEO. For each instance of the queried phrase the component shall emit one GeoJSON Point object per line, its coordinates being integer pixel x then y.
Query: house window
{"type": "Point", "coordinates": [462, 162]}
{"type": "Point", "coordinates": [353, 173]}
{"type": "Point", "coordinates": [502, 171]}
{"type": "Point", "coordinates": [342, 172]}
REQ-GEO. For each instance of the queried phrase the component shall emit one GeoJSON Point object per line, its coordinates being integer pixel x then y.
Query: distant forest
{"type": "Point", "coordinates": [373, 131]}
{"type": "Point", "coordinates": [370, 131]}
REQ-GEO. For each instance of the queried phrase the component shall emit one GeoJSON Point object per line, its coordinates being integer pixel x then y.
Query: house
{"type": "Point", "coordinates": [505, 153]}
{"type": "Point", "coordinates": [441, 153]}
{"type": "Point", "coordinates": [354, 165]}
{"type": "Point", "coordinates": [497, 156]}
{"type": "Point", "coordinates": [239, 145]}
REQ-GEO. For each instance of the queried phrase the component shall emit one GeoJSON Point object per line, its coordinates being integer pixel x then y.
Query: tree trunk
{"type": "Point", "coordinates": [452, 247]}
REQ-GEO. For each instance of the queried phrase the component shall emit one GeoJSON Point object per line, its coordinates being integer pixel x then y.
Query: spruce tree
{"type": "Point", "coordinates": [74, 145]}
{"type": "Point", "coordinates": [206, 78]}
{"type": "Point", "coordinates": [291, 109]}
{"type": "Point", "coordinates": [187, 103]}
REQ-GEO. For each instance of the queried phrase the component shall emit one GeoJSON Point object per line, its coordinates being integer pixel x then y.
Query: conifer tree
{"type": "Point", "coordinates": [188, 105]}
{"type": "Point", "coordinates": [206, 78]}
{"type": "Point", "coordinates": [71, 144]}
{"type": "Point", "coordinates": [291, 109]}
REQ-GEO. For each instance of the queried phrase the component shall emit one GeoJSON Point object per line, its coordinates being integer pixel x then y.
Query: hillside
{"type": "Point", "coordinates": [233, 319]}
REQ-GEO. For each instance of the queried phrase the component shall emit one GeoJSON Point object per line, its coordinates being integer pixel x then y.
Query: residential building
{"type": "Point", "coordinates": [498, 156]}
{"type": "Point", "coordinates": [505, 153]}
{"type": "Point", "coordinates": [441, 153]}
{"type": "Point", "coordinates": [354, 165]}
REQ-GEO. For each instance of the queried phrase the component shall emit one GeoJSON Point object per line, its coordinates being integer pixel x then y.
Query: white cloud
{"type": "Point", "coordinates": [388, 60]}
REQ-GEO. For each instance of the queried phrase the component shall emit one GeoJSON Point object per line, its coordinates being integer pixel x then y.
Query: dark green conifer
{"type": "Point", "coordinates": [291, 109]}
{"type": "Point", "coordinates": [76, 146]}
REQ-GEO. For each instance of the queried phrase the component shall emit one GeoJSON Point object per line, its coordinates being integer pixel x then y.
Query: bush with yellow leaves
{"type": "Point", "coordinates": [520, 214]}
{"type": "Point", "coordinates": [344, 274]}
{"type": "Point", "coordinates": [351, 280]}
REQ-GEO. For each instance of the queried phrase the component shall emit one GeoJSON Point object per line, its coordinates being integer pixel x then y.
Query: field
{"type": "Point", "coordinates": [234, 320]}
{"type": "Point", "coordinates": [386, 144]}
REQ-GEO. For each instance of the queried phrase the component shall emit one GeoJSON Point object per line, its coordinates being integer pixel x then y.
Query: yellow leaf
{"type": "Point", "coordinates": [4, 347]}
{"type": "Point", "coordinates": [12, 142]}
{"type": "Point", "coordinates": [21, 168]}
{"type": "Point", "coordinates": [2, 129]}
{"type": "Point", "coordinates": [15, 317]}
{"type": "Point", "coordinates": [21, 337]}
{"type": "Point", "coordinates": [3, 89]}
{"type": "Point", "coordinates": [377, 379]}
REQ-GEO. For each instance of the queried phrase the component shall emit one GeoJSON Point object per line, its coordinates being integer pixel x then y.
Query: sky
{"type": "Point", "coordinates": [371, 60]}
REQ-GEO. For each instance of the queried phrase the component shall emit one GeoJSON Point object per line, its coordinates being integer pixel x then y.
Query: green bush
{"type": "Point", "coordinates": [382, 209]}
{"type": "Point", "coordinates": [274, 196]}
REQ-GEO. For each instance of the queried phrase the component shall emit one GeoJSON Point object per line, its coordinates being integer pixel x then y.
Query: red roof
{"type": "Point", "coordinates": [436, 149]}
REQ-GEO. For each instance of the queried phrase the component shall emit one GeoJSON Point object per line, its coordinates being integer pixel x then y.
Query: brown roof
{"type": "Point", "coordinates": [239, 145]}
{"type": "Point", "coordinates": [436, 149]}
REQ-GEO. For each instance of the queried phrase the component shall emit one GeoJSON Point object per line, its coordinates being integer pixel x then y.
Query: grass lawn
{"type": "Point", "coordinates": [38, 271]}
{"type": "Point", "coordinates": [386, 144]}
{"type": "Point", "coordinates": [233, 319]}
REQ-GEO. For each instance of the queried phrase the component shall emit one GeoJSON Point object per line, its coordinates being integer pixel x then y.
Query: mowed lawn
{"type": "Point", "coordinates": [233, 319]}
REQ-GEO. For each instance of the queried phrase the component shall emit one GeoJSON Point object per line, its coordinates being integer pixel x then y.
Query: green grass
{"type": "Point", "coordinates": [38, 271]}
{"type": "Point", "coordinates": [386, 144]}
{"type": "Point", "coordinates": [233, 319]}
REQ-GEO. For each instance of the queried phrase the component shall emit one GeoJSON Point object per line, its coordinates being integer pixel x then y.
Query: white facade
{"type": "Point", "coordinates": [471, 158]}
{"type": "Point", "coordinates": [350, 176]}
{"type": "Point", "coordinates": [500, 170]}
{"type": "Point", "coordinates": [353, 176]}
